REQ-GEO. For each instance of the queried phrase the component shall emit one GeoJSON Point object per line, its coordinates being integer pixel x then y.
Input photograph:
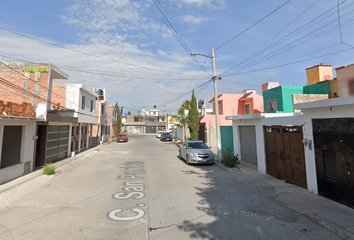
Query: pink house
{"type": "Point", "coordinates": [229, 105]}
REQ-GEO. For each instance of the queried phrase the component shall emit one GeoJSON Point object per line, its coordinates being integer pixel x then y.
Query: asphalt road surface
{"type": "Point", "coordinates": [142, 190]}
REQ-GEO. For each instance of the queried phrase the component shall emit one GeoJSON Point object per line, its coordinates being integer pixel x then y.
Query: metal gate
{"type": "Point", "coordinates": [334, 152]}
{"type": "Point", "coordinates": [151, 129]}
{"type": "Point", "coordinates": [285, 157]}
{"type": "Point", "coordinates": [57, 143]}
{"type": "Point", "coordinates": [74, 145]}
{"type": "Point", "coordinates": [84, 136]}
{"type": "Point", "coordinates": [202, 134]}
{"type": "Point", "coordinates": [248, 144]}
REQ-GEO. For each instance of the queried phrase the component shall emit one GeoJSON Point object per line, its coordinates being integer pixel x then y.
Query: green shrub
{"type": "Point", "coordinates": [228, 159]}
{"type": "Point", "coordinates": [49, 169]}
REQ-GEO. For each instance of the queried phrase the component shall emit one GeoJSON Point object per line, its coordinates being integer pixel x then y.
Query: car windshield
{"type": "Point", "coordinates": [166, 134]}
{"type": "Point", "coordinates": [121, 135]}
{"type": "Point", "coordinates": [197, 145]}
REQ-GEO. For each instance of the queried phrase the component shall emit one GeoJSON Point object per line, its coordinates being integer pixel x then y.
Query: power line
{"type": "Point", "coordinates": [340, 29]}
{"type": "Point", "coordinates": [81, 52]}
{"type": "Point", "coordinates": [258, 50]}
{"type": "Point", "coordinates": [253, 25]}
{"type": "Point", "coordinates": [106, 73]}
{"type": "Point", "coordinates": [301, 40]}
{"type": "Point", "coordinates": [177, 36]}
{"type": "Point", "coordinates": [290, 63]}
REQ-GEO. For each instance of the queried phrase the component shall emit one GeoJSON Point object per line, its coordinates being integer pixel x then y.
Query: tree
{"type": "Point", "coordinates": [193, 118]}
{"type": "Point", "coordinates": [119, 119]}
{"type": "Point", "coordinates": [184, 119]}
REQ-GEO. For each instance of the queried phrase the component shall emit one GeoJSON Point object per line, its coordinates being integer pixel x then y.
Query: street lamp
{"type": "Point", "coordinates": [218, 143]}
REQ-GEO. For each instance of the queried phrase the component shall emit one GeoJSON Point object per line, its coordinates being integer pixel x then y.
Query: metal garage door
{"type": "Point", "coordinates": [248, 144]}
{"type": "Point", "coordinates": [151, 129]}
{"type": "Point", "coordinates": [57, 143]}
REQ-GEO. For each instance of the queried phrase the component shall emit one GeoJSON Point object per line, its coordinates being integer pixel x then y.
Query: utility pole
{"type": "Point", "coordinates": [218, 142]}
{"type": "Point", "coordinates": [166, 120]}
{"type": "Point", "coordinates": [218, 138]}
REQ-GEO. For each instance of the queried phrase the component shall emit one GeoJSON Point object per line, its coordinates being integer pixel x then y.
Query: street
{"type": "Point", "coordinates": [142, 190]}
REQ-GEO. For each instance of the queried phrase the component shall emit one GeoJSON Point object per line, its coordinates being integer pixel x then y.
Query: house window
{"type": "Point", "coordinates": [247, 108]}
{"type": "Point", "coordinates": [351, 87]}
{"type": "Point", "coordinates": [91, 107]}
{"type": "Point", "coordinates": [72, 131]}
{"type": "Point", "coordinates": [102, 109]}
{"type": "Point", "coordinates": [83, 101]}
{"type": "Point", "coordinates": [272, 105]}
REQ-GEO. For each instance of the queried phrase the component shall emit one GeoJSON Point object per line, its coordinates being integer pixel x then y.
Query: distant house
{"type": "Point", "coordinates": [229, 104]}
{"type": "Point", "coordinates": [104, 129]}
{"type": "Point", "coordinates": [147, 121]}
{"type": "Point", "coordinates": [321, 85]}
{"type": "Point", "coordinates": [345, 80]}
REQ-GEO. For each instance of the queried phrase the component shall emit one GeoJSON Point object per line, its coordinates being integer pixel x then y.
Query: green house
{"type": "Point", "coordinates": [280, 99]}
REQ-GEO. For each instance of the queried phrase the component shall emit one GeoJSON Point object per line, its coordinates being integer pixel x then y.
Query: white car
{"type": "Point", "coordinates": [196, 152]}
{"type": "Point", "coordinates": [158, 135]}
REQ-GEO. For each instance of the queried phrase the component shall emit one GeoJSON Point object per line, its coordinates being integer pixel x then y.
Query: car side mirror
{"type": "Point", "coordinates": [185, 147]}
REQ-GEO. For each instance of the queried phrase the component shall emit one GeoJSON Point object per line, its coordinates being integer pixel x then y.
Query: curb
{"type": "Point", "coordinates": [313, 217]}
{"type": "Point", "coordinates": [39, 172]}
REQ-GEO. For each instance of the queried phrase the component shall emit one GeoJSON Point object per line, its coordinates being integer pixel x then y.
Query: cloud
{"type": "Point", "coordinates": [215, 4]}
{"type": "Point", "coordinates": [193, 20]}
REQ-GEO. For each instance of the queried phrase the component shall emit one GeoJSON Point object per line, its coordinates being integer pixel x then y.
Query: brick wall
{"type": "Point", "coordinates": [59, 95]}
{"type": "Point", "coordinates": [18, 86]}
{"type": "Point", "coordinates": [16, 109]}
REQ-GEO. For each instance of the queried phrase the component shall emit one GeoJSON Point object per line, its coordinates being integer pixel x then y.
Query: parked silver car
{"type": "Point", "coordinates": [196, 152]}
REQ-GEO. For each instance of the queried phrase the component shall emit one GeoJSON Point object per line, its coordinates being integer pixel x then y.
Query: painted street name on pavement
{"type": "Point", "coordinates": [133, 189]}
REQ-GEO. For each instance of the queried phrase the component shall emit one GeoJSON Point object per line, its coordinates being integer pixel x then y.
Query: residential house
{"type": "Point", "coordinates": [77, 101]}
{"type": "Point", "coordinates": [147, 121]}
{"type": "Point", "coordinates": [309, 147]}
{"type": "Point", "coordinates": [103, 131]}
{"type": "Point", "coordinates": [345, 80]}
{"type": "Point", "coordinates": [134, 124]}
{"type": "Point", "coordinates": [321, 85]}
{"type": "Point", "coordinates": [228, 104]}
{"type": "Point", "coordinates": [37, 134]}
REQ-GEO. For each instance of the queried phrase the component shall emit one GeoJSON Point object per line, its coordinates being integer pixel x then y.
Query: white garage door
{"type": "Point", "coordinates": [248, 144]}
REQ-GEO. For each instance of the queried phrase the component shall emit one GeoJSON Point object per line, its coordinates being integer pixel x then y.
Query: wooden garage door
{"type": "Point", "coordinates": [57, 143]}
{"type": "Point", "coordinates": [248, 144]}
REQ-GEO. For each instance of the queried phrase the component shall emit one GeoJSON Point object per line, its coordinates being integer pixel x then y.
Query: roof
{"type": "Point", "coordinates": [224, 96]}
{"type": "Point", "coordinates": [247, 96]}
{"type": "Point", "coordinates": [319, 65]}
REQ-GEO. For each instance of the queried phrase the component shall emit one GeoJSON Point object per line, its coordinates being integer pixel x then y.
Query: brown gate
{"type": "Point", "coordinates": [202, 132]}
{"type": "Point", "coordinates": [285, 154]}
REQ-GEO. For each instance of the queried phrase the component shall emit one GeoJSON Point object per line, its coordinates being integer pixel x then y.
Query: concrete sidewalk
{"type": "Point", "coordinates": [331, 215]}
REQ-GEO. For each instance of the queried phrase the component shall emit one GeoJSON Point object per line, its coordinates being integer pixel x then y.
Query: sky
{"type": "Point", "coordinates": [140, 50]}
